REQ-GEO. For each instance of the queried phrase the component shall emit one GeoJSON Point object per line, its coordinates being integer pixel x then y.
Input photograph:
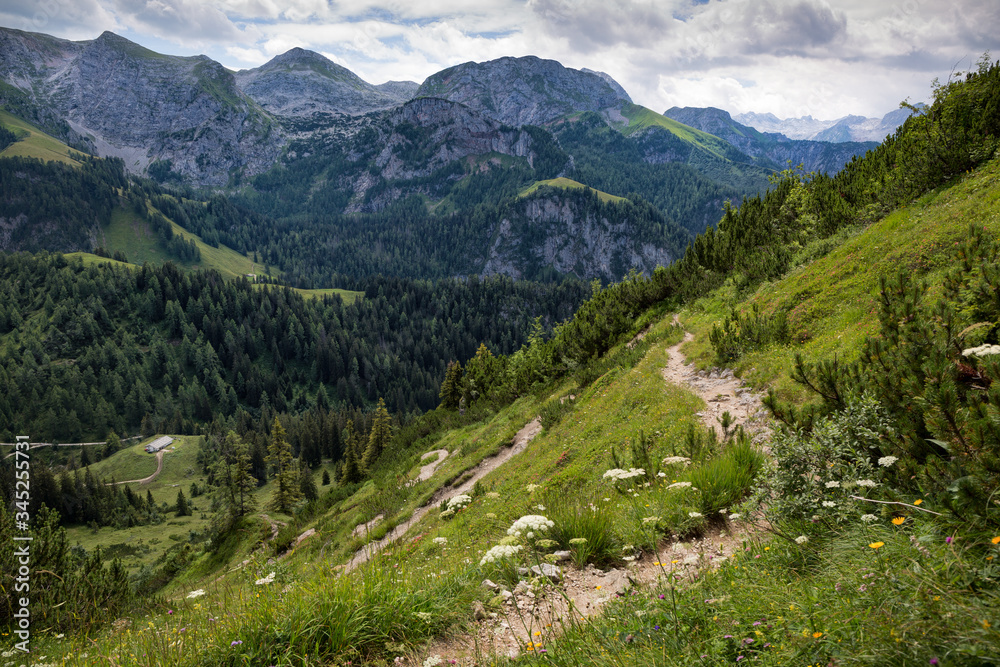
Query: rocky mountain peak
{"type": "Point", "coordinates": [300, 82]}
{"type": "Point", "coordinates": [522, 91]}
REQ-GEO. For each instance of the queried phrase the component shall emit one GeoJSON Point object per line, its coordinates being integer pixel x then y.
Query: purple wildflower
{"type": "Point", "coordinates": [236, 642]}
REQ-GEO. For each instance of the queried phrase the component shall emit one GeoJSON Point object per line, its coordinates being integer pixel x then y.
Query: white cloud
{"type": "Point", "coordinates": [182, 21]}
{"type": "Point", "coordinates": [70, 19]}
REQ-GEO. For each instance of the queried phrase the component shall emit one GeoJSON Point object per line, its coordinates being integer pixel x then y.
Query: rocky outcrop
{"type": "Point", "coordinates": [774, 150]}
{"type": "Point", "coordinates": [426, 135]}
{"type": "Point", "coordinates": [573, 233]}
{"type": "Point", "coordinates": [302, 83]}
{"type": "Point", "coordinates": [523, 91]}
{"type": "Point", "coordinates": [142, 106]}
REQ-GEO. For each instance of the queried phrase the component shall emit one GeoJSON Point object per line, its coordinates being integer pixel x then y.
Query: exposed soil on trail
{"type": "Point", "coordinates": [722, 391]}
{"type": "Point", "coordinates": [486, 466]}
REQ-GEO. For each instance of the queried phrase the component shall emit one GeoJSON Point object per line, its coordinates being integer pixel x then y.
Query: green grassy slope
{"type": "Point", "coordinates": [33, 142]}
{"type": "Point", "coordinates": [567, 184]}
{"type": "Point", "coordinates": [831, 302]}
{"type": "Point", "coordinates": [640, 118]}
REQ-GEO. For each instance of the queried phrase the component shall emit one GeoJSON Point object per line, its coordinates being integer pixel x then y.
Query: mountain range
{"type": "Point", "coordinates": [846, 129]}
{"type": "Point", "coordinates": [311, 146]}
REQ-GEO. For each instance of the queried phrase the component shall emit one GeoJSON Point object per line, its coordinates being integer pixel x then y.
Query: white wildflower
{"type": "Point", "coordinates": [868, 518]}
{"type": "Point", "coordinates": [540, 508]}
{"type": "Point", "coordinates": [801, 539]}
{"type": "Point", "coordinates": [661, 474]}
{"type": "Point", "coordinates": [672, 460]}
{"type": "Point", "coordinates": [866, 482]}
{"type": "Point", "coordinates": [433, 661]}
{"type": "Point", "coordinates": [532, 522]}
{"type": "Point", "coordinates": [196, 594]}
{"type": "Point", "coordinates": [695, 515]}
{"type": "Point", "coordinates": [458, 502]}
{"type": "Point", "coordinates": [887, 461]}
{"type": "Point", "coordinates": [448, 513]}
{"type": "Point", "coordinates": [269, 579]}
{"type": "Point", "coordinates": [735, 515]}
{"type": "Point", "coordinates": [981, 351]}
{"type": "Point", "coordinates": [531, 487]}
{"type": "Point", "coordinates": [833, 485]}
{"type": "Point", "coordinates": [492, 494]}
{"type": "Point", "coordinates": [578, 541]}
{"type": "Point", "coordinates": [616, 474]}
{"type": "Point", "coordinates": [679, 485]}
{"type": "Point", "coordinates": [499, 552]}
{"type": "Point", "coordinates": [440, 540]}
{"type": "Point", "coordinates": [829, 503]}
{"type": "Point", "coordinates": [650, 519]}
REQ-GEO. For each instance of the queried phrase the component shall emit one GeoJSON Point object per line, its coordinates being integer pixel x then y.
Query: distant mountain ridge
{"type": "Point", "coordinates": [847, 128]}
{"type": "Point", "coordinates": [774, 149]}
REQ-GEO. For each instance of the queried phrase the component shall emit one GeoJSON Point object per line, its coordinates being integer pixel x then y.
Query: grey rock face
{"type": "Point", "coordinates": [301, 83]}
{"type": "Point", "coordinates": [403, 91]}
{"type": "Point", "coordinates": [523, 91]}
{"type": "Point", "coordinates": [426, 134]}
{"type": "Point", "coordinates": [571, 238]}
{"type": "Point", "coordinates": [143, 106]}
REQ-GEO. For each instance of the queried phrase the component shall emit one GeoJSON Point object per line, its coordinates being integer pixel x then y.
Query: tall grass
{"type": "Point", "coordinates": [727, 479]}
{"type": "Point", "coordinates": [375, 613]}
{"type": "Point", "coordinates": [584, 517]}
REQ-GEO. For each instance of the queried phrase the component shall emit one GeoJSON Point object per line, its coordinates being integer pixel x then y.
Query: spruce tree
{"type": "Point", "coordinates": [451, 388]}
{"type": "Point", "coordinates": [286, 474]}
{"type": "Point", "coordinates": [379, 437]}
{"type": "Point", "coordinates": [233, 471]}
{"type": "Point", "coordinates": [350, 472]}
{"type": "Point", "coordinates": [307, 485]}
{"type": "Point", "coordinates": [182, 504]}
{"type": "Point", "coordinates": [326, 478]}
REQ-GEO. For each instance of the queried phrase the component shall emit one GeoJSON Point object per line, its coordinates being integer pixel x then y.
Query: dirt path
{"type": "Point", "coordinates": [147, 480]}
{"type": "Point", "coordinates": [721, 390]}
{"type": "Point", "coordinates": [428, 470]}
{"type": "Point", "coordinates": [486, 466]}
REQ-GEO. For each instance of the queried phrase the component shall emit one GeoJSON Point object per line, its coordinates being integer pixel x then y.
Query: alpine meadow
{"type": "Point", "coordinates": [501, 368]}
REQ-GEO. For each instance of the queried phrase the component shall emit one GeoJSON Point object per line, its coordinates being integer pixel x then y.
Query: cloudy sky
{"type": "Point", "coordinates": [826, 58]}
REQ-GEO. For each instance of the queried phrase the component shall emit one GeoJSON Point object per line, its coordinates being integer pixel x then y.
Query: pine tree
{"type": "Point", "coordinates": [379, 437]}
{"type": "Point", "coordinates": [451, 388]}
{"type": "Point", "coordinates": [286, 474]}
{"type": "Point", "coordinates": [350, 472]}
{"type": "Point", "coordinates": [182, 504]}
{"type": "Point", "coordinates": [326, 478]}
{"type": "Point", "coordinates": [307, 485]}
{"type": "Point", "coordinates": [233, 472]}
